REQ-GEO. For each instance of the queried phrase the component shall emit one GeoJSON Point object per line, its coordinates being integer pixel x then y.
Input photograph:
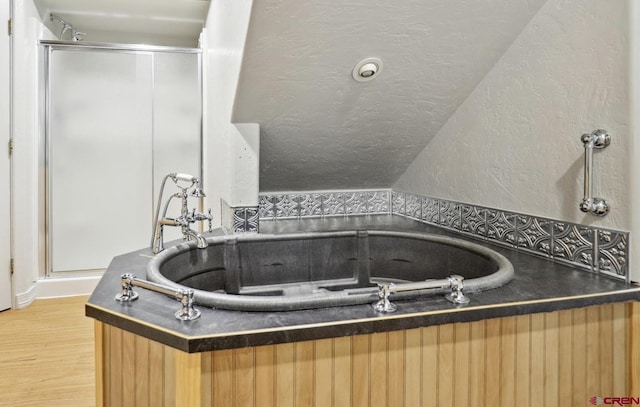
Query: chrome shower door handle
{"type": "Point", "coordinates": [597, 139]}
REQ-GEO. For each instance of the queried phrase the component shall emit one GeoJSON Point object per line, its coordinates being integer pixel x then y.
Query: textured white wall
{"type": "Point", "coordinates": [515, 143]}
{"type": "Point", "coordinates": [226, 147]}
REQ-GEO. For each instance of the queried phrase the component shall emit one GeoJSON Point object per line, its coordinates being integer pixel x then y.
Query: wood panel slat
{"type": "Point", "coordinates": [304, 374]}
{"type": "Point", "coordinates": [128, 371]}
{"type": "Point", "coordinates": [223, 378]}
{"type": "Point", "coordinates": [115, 367]}
{"type": "Point", "coordinates": [413, 368]}
{"type": "Point", "coordinates": [342, 371]}
{"type": "Point", "coordinates": [360, 383]}
{"type": "Point", "coordinates": [265, 376]}
{"type": "Point", "coordinates": [634, 349]}
{"type": "Point", "coordinates": [551, 361]}
{"type": "Point", "coordinates": [620, 335]}
{"type": "Point", "coordinates": [579, 356]}
{"type": "Point", "coordinates": [396, 365]}
{"type": "Point", "coordinates": [207, 379]}
{"type": "Point", "coordinates": [462, 356]}
{"type": "Point", "coordinates": [244, 380]}
{"type": "Point", "coordinates": [592, 357]}
{"type": "Point", "coordinates": [508, 362]}
{"type": "Point", "coordinates": [379, 374]}
{"type": "Point", "coordinates": [565, 365]}
{"type": "Point", "coordinates": [285, 375]}
{"type": "Point", "coordinates": [493, 361]}
{"type": "Point", "coordinates": [188, 389]}
{"type": "Point", "coordinates": [106, 371]}
{"type": "Point", "coordinates": [141, 378]}
{"type": "Point", "coordinates": [477, 364]}
{"type": "Point", "coordinates": [445, 372]}
{"type": "Point", "coordinates": [605, 348]}
{"type": "Point", "coordinates": [169, 376]}
{"type": "Point", "coordinates": [99, 352]}
{"type": "Point", "coordinates": [157, 374]}
{"type": "Point", "coordinates": [430, 366]}
{"type": "Point", "coordinates": [323, 383]}
{"type": "Point", "coordinates": [522, 360]}
{"type": "Point", "coordinates": [537, 353]}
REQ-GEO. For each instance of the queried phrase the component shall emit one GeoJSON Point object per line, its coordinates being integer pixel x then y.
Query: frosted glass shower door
{"type": "Point", "coordinates": [177, 118]}
{"type": "Point", "coordinates": [99, 156]}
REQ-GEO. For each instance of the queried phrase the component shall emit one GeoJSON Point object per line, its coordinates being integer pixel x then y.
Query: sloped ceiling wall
{"type": "Point", "coordinates": [320, 129]}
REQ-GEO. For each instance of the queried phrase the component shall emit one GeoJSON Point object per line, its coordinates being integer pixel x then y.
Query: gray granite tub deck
{"type": "Point", "coordinates": [539, 285]}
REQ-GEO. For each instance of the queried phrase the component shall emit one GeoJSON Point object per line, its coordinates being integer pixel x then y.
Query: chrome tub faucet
{"type": "Point", "coordinates": [186, 217]}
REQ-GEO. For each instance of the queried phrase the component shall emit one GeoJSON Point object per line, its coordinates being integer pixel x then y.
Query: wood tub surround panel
{"type": "Point", "coordinates": [546, 359]}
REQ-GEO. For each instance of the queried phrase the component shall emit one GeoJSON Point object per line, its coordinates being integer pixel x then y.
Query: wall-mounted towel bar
{"type": "Point", "coordinates": [597, 139]}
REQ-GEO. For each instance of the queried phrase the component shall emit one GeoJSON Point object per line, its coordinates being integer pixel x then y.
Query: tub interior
{"type": "Point", "coordinates": [299, 266]}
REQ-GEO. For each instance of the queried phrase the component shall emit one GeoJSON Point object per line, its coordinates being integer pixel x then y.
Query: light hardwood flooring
{"type": "Point", "coordinates": [47, 355]}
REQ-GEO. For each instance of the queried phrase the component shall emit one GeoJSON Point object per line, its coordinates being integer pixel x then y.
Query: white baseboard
{"type": "Point", "coordinates": [66, 286]}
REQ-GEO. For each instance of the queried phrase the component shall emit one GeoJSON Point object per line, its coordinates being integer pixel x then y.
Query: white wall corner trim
{"type": "Point", "coordinates": [223, 43]}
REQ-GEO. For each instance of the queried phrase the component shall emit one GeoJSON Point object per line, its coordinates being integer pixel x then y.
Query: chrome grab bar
{"type": "Point", "coordinates": [185, 296]}
{"type": "Point", "coordinates": [597, 139]}
{"type": "Point", "coordinates": [454, 282]}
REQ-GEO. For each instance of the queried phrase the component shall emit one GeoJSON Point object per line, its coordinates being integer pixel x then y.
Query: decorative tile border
{"type": "Point", "coordinates": [533, 235]}
{"type": "Point", "coordinates": [331, 203]}
{"type": "Point", "coordinates": [613, 252]}
{"type": "Point", "coordinates": [573, 244]}
{"type": "Point", "coordinates": [600, 250]}
{"type": "Point", "coordinates": [244, 219]}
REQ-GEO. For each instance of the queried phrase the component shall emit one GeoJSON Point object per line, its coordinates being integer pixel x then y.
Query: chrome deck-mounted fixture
{"type": "Point", "coordinates": [186, 217]}
{"type": "Point", "coordinates": [590, 204]}
{"type": "Point", "coordinates": [453, 282]}
{"type": "Point", "coordinates": [185, 296]}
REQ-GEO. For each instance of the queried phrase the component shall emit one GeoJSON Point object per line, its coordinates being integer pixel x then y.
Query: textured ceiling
{"type": "Point", "coordinates": [320, 129]}
{"type": "Point", "coordinates": [158, 22]}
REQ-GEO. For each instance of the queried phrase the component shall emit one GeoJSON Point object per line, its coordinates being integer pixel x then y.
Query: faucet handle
{"type": "Point", "coordinates": [198, 216]}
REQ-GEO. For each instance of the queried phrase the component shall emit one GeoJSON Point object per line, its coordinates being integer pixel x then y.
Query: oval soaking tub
{"type": "Point", "coordinates": [322, 269]}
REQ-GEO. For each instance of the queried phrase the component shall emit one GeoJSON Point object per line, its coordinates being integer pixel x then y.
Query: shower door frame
{"type": "Point", "coordinates": [45, 143]}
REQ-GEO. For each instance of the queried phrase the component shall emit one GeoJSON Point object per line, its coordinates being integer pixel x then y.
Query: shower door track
{"type": "Point", "coordinates": [117, 47]}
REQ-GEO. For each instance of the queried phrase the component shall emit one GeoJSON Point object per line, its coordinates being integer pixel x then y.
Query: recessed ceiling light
{"type": "Point", "coordinates": [367, 69]}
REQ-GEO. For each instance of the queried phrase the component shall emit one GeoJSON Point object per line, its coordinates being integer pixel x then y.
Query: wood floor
{"type": "Point", "coordinates": [47, 355]}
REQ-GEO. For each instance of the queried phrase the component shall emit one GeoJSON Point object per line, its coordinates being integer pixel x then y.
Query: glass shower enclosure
{"type": "Point", "coordinates": [117, 119]}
